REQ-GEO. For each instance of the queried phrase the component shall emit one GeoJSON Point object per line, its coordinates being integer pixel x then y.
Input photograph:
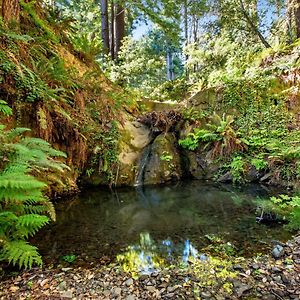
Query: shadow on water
{"type": "Point", "coordinates": [100, 223]}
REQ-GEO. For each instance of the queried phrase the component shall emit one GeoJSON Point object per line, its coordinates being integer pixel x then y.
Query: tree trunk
{"type": "Point", "coordinates": [112, 30]}
{"type": "Point", "coordinates": [252, 25]}
{"type": "Point", "coordinates": [186, 33]}
{"type": "Point", "coordinates": [10, 10]}
{"type": "Point", "coordinates": [120, 27]}
{"type": "Point", "coordinates": [297, 18]}
{"type": "Point", "coordinates": [105, 26]}
{"type": "Point", "coordinates": [170, 66]}
{"type": "Point", "coordinates": [293, 10]}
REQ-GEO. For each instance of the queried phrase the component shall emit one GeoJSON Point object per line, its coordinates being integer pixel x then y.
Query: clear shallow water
{"type": "Point", "coordinates": [101, 223]}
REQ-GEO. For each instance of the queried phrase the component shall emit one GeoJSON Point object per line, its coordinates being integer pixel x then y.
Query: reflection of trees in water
{"type": "Point", "coordinates": [149, 256]}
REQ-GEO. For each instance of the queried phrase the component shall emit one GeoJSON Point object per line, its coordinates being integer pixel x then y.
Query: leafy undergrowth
{"type": "Point", "coordinates": [54, 86]}
{"type": "Point", "coordinates": [252, 122]}
{"type": "Point", "coordinates": [50, 88]}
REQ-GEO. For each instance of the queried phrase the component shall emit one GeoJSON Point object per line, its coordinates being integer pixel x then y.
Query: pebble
{"type": "Point", "coordinates": [278, 251]}
{"type": "Point", "coordinates": [13, 288]}
{"type": "Point", "coordinates": [116, 292]}
{"type": "Point", "coordinates": [206, 295]}
{"type": "Point", "coordinates": [129, 282]}
{"type": "Point", "coordinates": [151, 289]}
{"type": "Point", "coordinates": [67, 294]}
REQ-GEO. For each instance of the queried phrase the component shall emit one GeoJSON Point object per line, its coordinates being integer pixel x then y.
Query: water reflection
{"type": "Point", "coordinates": [148, 257]}
{"type": "Point", "coordinates": [99, 222]}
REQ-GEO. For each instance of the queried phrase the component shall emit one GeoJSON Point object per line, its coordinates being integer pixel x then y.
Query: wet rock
{"type": "Point", "coordinates": [253, 175]}
{"type": "Point", "coordinates": [164, 163]}
{"type": "Point", "coordinates": [226, 178]}
{"type": "Point", "coordinates": [278, 251]}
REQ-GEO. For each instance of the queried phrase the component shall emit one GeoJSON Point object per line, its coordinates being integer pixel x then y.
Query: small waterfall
{"type": "Point", "coordinates": [142, 166]}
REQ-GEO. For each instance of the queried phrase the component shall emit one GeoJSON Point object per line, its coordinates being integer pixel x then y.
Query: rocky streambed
{"type": "Point", "coordinates": [273, 276]}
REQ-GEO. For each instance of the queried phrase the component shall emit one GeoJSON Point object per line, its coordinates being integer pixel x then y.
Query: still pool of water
{"type": "Point", "coordinates": [100, 222]}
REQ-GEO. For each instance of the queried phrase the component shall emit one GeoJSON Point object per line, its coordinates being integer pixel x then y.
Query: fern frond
{"type": "Point", "coordinates": [28, 225]}
{"type": "Point", "coordinates": [19, 182]}
{"type": "Point", "coordinates": [21, 253]}
{"type": "Point", "coordinates": [4, 108]}
{"type": "Point", "coordinates": [42, 145]}
{"type": "Point", "coordinates": [16, 132]}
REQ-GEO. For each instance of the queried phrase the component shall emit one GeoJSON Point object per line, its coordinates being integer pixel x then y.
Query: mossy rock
{"type": "Point", "coordinates": [164, 163]}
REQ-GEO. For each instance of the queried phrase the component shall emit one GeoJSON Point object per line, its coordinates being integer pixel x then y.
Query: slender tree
{"type": "Point", "coordinates": [293, 12]}
{"type": "Point", "coordinates": [120, 26]}
{"type": "Point", "coordinates": [105, 26]}
{"type": "Point", "coordinates": [253, 24]}
{"type": "Point", "coordinates": [112, 30]}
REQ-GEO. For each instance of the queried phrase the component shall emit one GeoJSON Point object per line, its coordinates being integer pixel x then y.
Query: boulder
{"type": "Point", "coordinates": [164, 162]}
{"type": "Point", "coordinates": [134, 138]}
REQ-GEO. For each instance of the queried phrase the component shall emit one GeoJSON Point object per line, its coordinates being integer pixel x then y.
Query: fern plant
{"type": "Point", "coordinates": [219, 135]}
{"type": "Point", "coordinates": [4, 108]}
{"type": "Point", "coordinates": [23, 207]}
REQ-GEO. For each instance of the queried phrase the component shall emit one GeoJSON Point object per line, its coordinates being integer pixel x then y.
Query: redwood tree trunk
{"type": "Point", "coordinates": [120, 26]}
{"type": "Point", "coordinates": [10, 10]}
{"type": "Point", "coordinates": [112, 30]}
{"type": "Point", "coordinates": [293, 17]}
{"type": "Point", "coordinates": [297, 17]}
{"type": "Point", "coordinates": [105, 26]}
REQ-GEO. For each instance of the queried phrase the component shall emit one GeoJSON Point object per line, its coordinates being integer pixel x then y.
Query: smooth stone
{"type": "Point", "coordinates": [130, 297]}
{"type": "Point", "coordinates": [278, 251]}
{"type": "Point", "coordinates": [206, 295]}
{"type": "Point", "coordinates": [255, 266]}
{"type": "Point", "coordinates": [129, 282]}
